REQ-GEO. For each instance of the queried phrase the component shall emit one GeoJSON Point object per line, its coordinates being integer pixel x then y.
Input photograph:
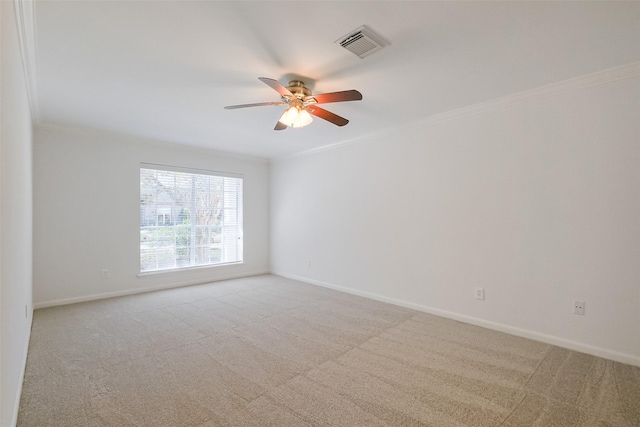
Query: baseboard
{"type": "Point", "coordinates": [501, 327]}
{"type": "Point", "coordinates": [16, 405]}
{"type": "Point", "coordinates": [93, 297]}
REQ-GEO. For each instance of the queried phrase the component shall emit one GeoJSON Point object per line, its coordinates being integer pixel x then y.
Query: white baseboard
{"type": "Point", "coordinates": [93, 297]}
{"type": "Point", "coordinates": [501, 327]}
{"type": "Point", "coordinates": [16, 405]}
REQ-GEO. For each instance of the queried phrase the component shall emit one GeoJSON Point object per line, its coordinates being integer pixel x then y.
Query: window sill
{"type": "Point", "coordinates": [147, 274]}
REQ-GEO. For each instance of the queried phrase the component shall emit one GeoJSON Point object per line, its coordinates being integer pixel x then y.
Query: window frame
{"type": "Point", "coordinates": [237, 223]}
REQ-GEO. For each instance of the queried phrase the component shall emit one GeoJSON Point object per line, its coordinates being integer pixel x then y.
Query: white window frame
{"type": "Point", "coordinates": [160, 249]}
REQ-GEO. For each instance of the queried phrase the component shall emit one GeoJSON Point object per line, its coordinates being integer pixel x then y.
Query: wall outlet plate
{"type": "Point", "coordinates": [578, 307]}
{"type": "Point", "coordinates": [479, 293]}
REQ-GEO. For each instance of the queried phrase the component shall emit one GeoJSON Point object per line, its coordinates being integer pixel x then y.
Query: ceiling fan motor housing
{"type": "Point", "coordinates": [297, 88]}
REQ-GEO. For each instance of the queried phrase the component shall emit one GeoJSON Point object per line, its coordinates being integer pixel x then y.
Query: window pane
{"type": "Point", "coordinates": [189, 219]}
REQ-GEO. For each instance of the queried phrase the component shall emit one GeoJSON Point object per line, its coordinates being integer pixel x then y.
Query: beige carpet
{"type": "Point", "coordinates": [269, 351]}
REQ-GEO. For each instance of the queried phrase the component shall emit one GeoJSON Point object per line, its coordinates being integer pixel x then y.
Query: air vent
{"type": "Point", "coordinates": [361, 41]}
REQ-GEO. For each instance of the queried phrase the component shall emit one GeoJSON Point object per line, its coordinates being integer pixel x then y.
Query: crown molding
{"type": "Point", "coordinates": [26, 23]}
{"type": "Point", "coordinates": [550, 90]}
{"type": "Point", "coordinates": [116, 137]}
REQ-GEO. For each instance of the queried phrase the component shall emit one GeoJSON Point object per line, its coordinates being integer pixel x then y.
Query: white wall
{"type": "Point", "coordinates": [538, 203]}
{"type": "Point", "coordinates": [86, 214]}
{"type": "Point", "coordinates": [15, 218]}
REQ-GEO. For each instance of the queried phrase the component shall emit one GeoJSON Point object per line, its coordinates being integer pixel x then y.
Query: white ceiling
{"type": "Point", "coordinates": [165, 69]}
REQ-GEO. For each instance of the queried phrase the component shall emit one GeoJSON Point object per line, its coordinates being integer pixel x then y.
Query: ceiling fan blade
{"type": "Point", "coordinates": [259, 104]}
{"type": "Point", "coordinates": [277, 86]}
{"type": "Point", "coordinates": [327, 115]}
{"type": "Point", "coordinates": [345, 95]}
{"type": "Point", "coordinates": [280, 126]}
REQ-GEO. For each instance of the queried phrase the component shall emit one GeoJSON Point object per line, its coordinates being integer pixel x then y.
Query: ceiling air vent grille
{"type": "Point", "coordinates": [361, 41]}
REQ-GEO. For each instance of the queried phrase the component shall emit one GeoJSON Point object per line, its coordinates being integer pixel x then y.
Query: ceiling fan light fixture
{"type": "Point", "coordinates": [289, 116]}
{"type": "Point", "coordinates": [302, 119]}
{"type": "Point", "coordinates": [296, 117]}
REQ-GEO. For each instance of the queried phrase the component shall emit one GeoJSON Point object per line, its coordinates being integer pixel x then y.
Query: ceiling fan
{"type": "Point", "coordinates": [302, 104]}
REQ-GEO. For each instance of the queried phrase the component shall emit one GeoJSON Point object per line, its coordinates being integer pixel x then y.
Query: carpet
{"type": "Point", "coordinates": [270, 351]}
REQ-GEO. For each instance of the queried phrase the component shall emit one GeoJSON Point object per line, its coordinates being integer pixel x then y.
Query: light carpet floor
{"type": "Point", "coordinates": [269, 351]}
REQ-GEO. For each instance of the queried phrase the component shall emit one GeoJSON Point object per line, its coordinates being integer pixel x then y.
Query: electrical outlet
{"type": "Point", "coordinates": [578, 307]}
{"type": "Point", "coordinates": [26, 311]}
{"type": "Point", "coordinates": [479, 293]}
{"type": "Point", "coordinates": [308, 263]}
{"type": "Point", "coordinates": [104, 274]}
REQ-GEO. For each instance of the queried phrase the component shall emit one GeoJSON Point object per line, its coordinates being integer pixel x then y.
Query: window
{"type": "Point", "coordinates": [188, 218]}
